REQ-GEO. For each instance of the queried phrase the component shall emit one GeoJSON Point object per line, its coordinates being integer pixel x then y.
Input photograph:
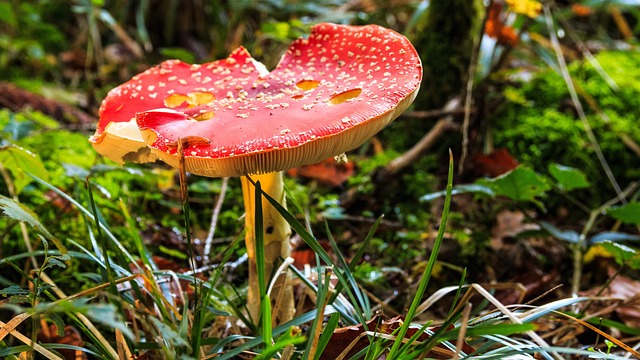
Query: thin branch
{"type": "Point", "coordinates": [578, 248]}
{"type": "Point", "coordinates": [437, 113]}
{"type": "Point", "coordinates": [578, 105]}
{"type": "Point", "coordinates": [421, 146]}
{"type": "Point", "coordinates": [214, 220]}
{"type": "Point", "coordinates": [468, 92]}
{"type": "Point", "coordinates": [584, 50]}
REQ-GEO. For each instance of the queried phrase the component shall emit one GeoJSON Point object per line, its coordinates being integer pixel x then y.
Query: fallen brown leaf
{"type": "Point", "coordinates": [327, 172]}
{"type": "Point", "coordinates": [345, 336]}
{"type": "Point", "coordinates": [71, 336]}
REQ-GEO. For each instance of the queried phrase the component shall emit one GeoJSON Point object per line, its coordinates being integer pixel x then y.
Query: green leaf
{"type": "Point", "coordinates": [19, 212]}
{"type": "Point", "coordinates": [623, 254]}
{"type": "Point", "coordinates": [519, 184]}
{"type": "Point", "coordinates": [178, 53]}
{"type": "Point", "coordinates": [613, 236]}
{"type": "Point", "coordinates": [288, 338]}
{"type": "Point", "coordinates": [13, 290]}
{"type": "Point", "coordinates": [7, 15]}
{"type": "Point", "coordinates": [57, 320]}
{"type": "Point", "coordinates": [169, 334]}
{"type": "Point", "coordinates": [566, 235]}
{"type": "Point", "coordinates": [18, 162]}
{"type": "Point", "coordinates": [55, 262]}
{"type": "Point", "coordinates": [107, 314]}
{"type": "Point", "coordinates": [628, 214]}
{"type": "Point", "coordinates": [568, 178]}
{"type": "Point", "coordinates": [173, 252]}
{"type": "Point", "coordinates": [461, 189]}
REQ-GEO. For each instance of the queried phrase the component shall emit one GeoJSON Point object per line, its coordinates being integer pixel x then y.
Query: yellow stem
{"type": "Point", "coordinates": [276, 245]}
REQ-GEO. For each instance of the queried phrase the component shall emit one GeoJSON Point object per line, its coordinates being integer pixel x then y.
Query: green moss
{"type": "Point", "coordinates": [542, 126]}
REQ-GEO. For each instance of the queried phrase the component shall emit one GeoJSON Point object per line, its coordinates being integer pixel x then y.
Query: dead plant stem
{"type": "Point", "coordinates": [578, 248]}
{"type": "Point", "coordinates": [468, 92]}
{"type": "Point", "coordinates": [214, 220]}
{"type": "Point", "coordinates": [578, 105]}
{"type": "Point", "coordinates": [421, 146]}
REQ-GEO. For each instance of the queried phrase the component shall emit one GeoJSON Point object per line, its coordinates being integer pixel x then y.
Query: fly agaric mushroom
{"type": "Point", "coordinates": [329, 94]}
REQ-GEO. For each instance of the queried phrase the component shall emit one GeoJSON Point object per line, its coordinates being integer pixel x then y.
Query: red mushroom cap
{"type": "Point", "coordinates": [172, 84]}
{"type": "Point", "coordinates": [329, 94]}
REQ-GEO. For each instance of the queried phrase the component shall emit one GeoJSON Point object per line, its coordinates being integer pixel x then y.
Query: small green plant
{"type": "Point", "coordinates": [539, 126]}
{"type": "Point", "coordinates": [523, 185]}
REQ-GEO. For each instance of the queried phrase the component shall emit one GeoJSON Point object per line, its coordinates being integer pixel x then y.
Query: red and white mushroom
{"type": "Point", "coordinates": [329, 94]}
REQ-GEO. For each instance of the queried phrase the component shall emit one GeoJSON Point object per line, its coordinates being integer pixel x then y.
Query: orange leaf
{"type": "Point", "coordinates": [581, 10]}
{"type": "Point", "coordinates": [496, 29]}
{"type": "Point", "coordinates": [495, 164]}
{"type": "Point", "coordinates": [327, 172]}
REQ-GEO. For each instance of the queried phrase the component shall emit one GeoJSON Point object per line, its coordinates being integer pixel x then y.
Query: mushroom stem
{"type": "Point", "coordinates": [276, 245]}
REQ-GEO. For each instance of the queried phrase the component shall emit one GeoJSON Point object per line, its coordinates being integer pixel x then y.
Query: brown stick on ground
{"type": "Point", "coordinates": [409, 157]}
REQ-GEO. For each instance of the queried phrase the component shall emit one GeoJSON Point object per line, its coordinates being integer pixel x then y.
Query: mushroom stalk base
{"type": "Point", "coordinates": [276, 243]}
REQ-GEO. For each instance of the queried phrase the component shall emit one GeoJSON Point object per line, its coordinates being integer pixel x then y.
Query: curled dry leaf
{"type": "Point", "coordinates": [508, 225]}
{"type": "Point", "coordinates": [327, 172]}
{"type": "Point", "coordinates": [71, 336]}
{"type": "Point", "coordinates": [627, 290]}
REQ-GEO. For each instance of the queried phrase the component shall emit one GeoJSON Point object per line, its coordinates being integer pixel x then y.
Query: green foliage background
{"type": "Point", "coordinates": [539, 125]}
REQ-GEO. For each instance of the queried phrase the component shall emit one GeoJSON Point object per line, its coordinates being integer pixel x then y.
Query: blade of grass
{"type": "Point", "coordinates": [396, 350]}
{"type": "Point", "coordinates": [89, 215]}
{"type": "Point", "coordinates": [143, 252]}
{"type": "Point", "coordinates": [257, 341]}
{"type": "Point", "coordinates": [322, 299]}
{"type": "Point", "coordinates": [200, 313]}
{"type": "Point", "coordinates": [265, 302]}
{"type": "Point", "coordinates": [33, 345]}
{"type": "Point", "coordinates": [345, 314]}
{"type": "Point", "coordinates": [363, 302]}
{"type": "Point", "coordinates": [184, 195]}
{"type": "Point", "coordinates": [356, 257]}
{"type": "Point", "coordinates": [108, 273]}
{"type": "Point", "coordinates": [576, 101]}
{"type": "Point", "coordinates": [355, 260]}
{"type": "Point", "coordinates": [534, 336]}
{"type": "Point", "coordinates": [324, 339]}
{"type": "Point", "coordinates": [100, 341]}
{"type": "Point", "coordinates": [315, 246]}
{"type": "Point", "coordinates": [259, 228]}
